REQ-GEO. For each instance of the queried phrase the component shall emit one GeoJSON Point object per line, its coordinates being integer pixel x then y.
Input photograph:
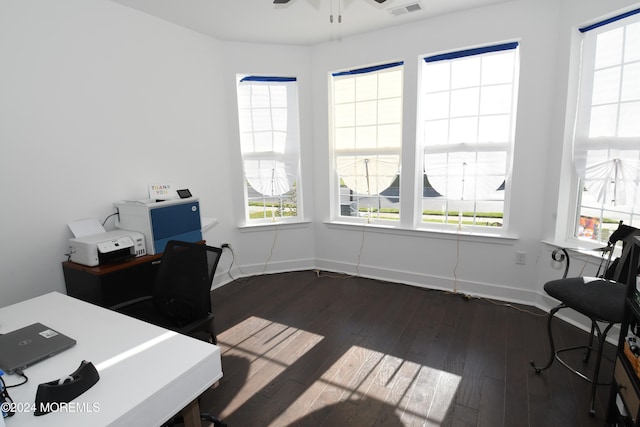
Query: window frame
{"type": "Point", "coordinates": [578, 116]}
{"type": "Point", "coordinates": [336, 205]}
{"type": "Point", "coordinates": [507, 146]}
{"type": "Point", "coordinates": [292, 126]}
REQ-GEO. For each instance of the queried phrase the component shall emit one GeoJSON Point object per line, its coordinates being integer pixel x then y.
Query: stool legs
{"type": "Point", "coordinates": [602, 336]}
{"type": "Point", "coordinates": [552, 355]}
{"type": "Point", "coordinates": [595, 331]}
{"type": "Point", "coordinates": [587, 353]}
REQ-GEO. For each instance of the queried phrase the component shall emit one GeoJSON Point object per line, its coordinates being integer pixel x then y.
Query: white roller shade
{"type": "Point", "coordinates": [607, 132]}
{"type": "Point", "coordinates": [468, 113]}
{"type": "Point", "coordinates": [368, 175]}
{"type": "Point", "coordinates": [269, 135]}
{"type": "Point", "coordinates": [367, 121]}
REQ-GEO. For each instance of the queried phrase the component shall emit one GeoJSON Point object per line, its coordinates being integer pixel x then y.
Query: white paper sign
{"type": "Point", "coordinates": [161, 191]}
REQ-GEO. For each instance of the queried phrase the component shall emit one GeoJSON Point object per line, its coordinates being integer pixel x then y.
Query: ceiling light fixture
{"type": "Point", "coordinates": [339, 12]}
{"type": "Point", "coordinates": [331, 11]}
{"type": "Point", "coordinates": [287, 1]}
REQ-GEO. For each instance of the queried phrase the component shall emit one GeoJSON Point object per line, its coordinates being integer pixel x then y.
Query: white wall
{"type": "Point", "coordinates": [98, 100]}
{"type": "Point", "coordinates": [267, 248]}
{"type": "Point", "coordinates": [478, 265]}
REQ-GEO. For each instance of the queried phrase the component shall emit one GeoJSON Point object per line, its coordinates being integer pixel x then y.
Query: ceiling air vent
{"type": "Point", "coordinates": [401, 10]}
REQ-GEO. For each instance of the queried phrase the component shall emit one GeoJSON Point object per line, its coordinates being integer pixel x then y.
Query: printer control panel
{"type": "Point", "coordinates": [115, 244]}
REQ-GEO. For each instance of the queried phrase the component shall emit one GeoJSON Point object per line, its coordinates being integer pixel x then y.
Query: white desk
{"type": "Point", "coordinates": [147, 373]}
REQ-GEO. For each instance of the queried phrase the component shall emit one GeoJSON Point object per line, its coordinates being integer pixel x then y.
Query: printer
{"type": "Point", "coordinates": [110, 246]}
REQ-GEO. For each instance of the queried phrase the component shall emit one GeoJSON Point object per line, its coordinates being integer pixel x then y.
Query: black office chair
{"type": "Point", "coordinates": [601, 299]}
{"type": "Point", "coordinates": [181, 299]}
{"type": "Point", "coordinates": [203, 417]}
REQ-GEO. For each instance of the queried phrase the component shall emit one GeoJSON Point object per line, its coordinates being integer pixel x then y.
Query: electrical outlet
{"type": "Point", "coordinates": [521, 258]}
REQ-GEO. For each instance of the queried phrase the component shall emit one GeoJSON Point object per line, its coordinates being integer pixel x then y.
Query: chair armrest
{"type": "Point", "coordinates": [198, 322]}
{"type": "Point", "coordinates": [130, 303]}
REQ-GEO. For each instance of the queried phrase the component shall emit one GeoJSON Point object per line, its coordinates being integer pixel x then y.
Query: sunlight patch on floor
{"type": "Point", "coordinates": [265, 343]}
{"type": "Point", "coordinates": [370, 380]}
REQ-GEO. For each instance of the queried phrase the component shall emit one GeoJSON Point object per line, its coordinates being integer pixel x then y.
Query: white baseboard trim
{"type": "Point", "coordinates": [465, 287]}
{"type": "Point", "coordinates": [473, 289]}
{"type": "Point", "coordinates": [224, 277]}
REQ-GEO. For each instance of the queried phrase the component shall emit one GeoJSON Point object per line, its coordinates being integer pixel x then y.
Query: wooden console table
{"type": "Point", "coordinates": [110, 284]}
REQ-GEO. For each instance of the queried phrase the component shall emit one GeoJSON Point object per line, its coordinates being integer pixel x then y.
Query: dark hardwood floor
{"type": "Point", "coordinates": [300, 349]}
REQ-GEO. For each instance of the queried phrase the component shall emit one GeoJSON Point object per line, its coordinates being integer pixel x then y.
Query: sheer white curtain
{"type": "Point", "coordinates": [466, 175]}
{"type": "Point", "coordinates": [368, 175]}
{"type": "Point", "coordinates": [269, 134]}
{"type": "Point", "coordinates": [367, 119]}
{"type": "Point", "coordinates": [607, 131]}
{"type": "Point", "coordinates": [468, 115]}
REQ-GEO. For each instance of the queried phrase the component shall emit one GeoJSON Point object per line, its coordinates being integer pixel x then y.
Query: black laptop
{"type": "Point", "coordinates": [26, 346]}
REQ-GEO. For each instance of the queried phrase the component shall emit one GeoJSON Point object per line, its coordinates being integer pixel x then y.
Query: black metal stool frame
{"type": "Point", "coordinates": [560, 254]}
{"type": "Point", "coordinates": [602, 337]}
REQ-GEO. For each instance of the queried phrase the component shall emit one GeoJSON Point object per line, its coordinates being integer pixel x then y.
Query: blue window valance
{"type": "Point", "coordinates": [267, 79]}
{"type": "Point", "coordinates": [609, 21]}
{"type": "Point", "coordinates": [471, 52]}
{"type": "Point", "coordinates": [368, 69]}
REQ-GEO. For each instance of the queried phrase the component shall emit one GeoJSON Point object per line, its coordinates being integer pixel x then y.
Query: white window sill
{"type": "Point", "coordinates": [583, 248]}
{"type": "Point", "coordinates": [273, 224]}
{"type": "Point", "coordinates": [431, 233]}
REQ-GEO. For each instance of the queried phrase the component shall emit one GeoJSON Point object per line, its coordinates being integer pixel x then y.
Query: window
{"type": "Point", "coordinates": [607, 127]}
{"type": "Point", "coordinates": [465, 127]}
{"type": "Point", "coordinates": [269, 140]}
{"type": "Point", "coordinates": [367, 139]}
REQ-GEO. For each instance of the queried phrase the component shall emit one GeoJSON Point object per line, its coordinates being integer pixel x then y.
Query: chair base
{"type": "Point", "coordinates": [203, 417]}
{"type": "Point", "coordinates": [555, 354]}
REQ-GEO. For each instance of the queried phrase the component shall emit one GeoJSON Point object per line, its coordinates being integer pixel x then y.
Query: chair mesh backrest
{"type": "Point", "coordinates": [183, 282]}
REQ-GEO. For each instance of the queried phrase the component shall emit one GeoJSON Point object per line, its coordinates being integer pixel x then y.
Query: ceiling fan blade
{"type": "Point", "coordinates": [283, 1]}
{"type": "Point", "coordinates": [381, 1]}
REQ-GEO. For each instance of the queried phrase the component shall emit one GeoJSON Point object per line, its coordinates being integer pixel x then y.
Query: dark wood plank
{"type": "Point", "coordinates": [302, 349]}
{"type": "Point", "coordinates": [517, 370]}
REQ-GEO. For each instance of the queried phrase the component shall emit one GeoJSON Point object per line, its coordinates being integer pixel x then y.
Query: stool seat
{"type": "Point", "coordinates": [594, 297]}
{"type": "Point", "coordinates": [599, 298]}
